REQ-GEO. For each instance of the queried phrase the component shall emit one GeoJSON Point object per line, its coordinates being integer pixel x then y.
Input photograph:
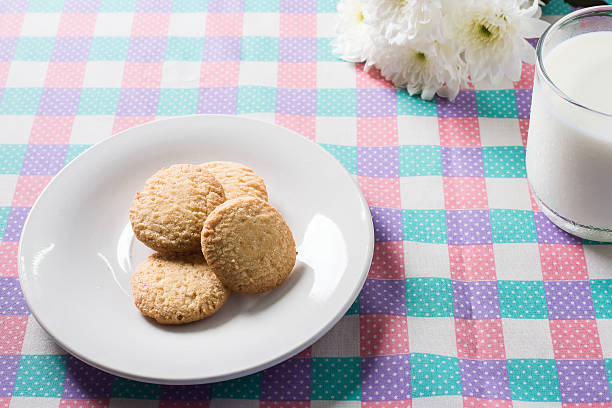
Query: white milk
{"type": "Point", "coordinates": [569, 149]}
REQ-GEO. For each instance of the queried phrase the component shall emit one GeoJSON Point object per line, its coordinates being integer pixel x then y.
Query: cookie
{"type": "Point", "coordinates": [168, 214]}
{"type": "Point", "coordinates": [177, 290]}
{"type": "Point", "coordinates": [237, 180]}
{"type": "Point", "coordinates": [248, 245]}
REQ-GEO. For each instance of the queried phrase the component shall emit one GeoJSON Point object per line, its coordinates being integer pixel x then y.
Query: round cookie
{"type": "Point", "coordinates": [168, 214]}
{"type": "Point", "coordinates": [248, 245]}
{"type": "Point", "coordinates": [177, 290]}
{"type": "Point", "coordinates": [237, 180]}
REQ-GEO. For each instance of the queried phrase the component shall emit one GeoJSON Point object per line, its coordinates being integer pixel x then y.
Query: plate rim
{"type": "Point", "coordinates": [235, 374]}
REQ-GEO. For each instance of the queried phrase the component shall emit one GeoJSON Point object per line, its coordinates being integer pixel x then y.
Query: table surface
{"type": "Point", "coordinates": [474, 298]}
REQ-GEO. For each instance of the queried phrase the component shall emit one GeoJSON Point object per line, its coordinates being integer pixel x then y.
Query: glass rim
{"type": "Point", "coordinates": [597, 10]}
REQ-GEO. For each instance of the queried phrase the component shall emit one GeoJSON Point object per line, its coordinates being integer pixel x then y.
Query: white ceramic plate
{"type": "Point", "coordinates": [77, 253]}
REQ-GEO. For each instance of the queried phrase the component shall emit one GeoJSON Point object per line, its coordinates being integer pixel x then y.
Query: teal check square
{"type": "Point", "coordinates": [109, 48]}
{"type": "Point", "coordinates": [522, 299]}
{"type": "Point", "coordinates": [512, 226]}
{"type": "Point", "coordinates": [34, 49]}
{"type": "Point", "coordinates": [124, 388]}
{"type": "Point", "coordinates": [256, 99]}
{"type": "Point", "coordinates": [248, 387]}
{"type": "Point", "coordinates": [534, 380]}
{"type": "Point", "coordinates": [424, 226]}
{"type": "Point", "coordinates": [189, 6]}
{"type": "Point", "coordinates": [259, 49]}
{"type": "Point", "coordinates": [261, 6]}
{"type": "Point", "coordinates": [179, 101]}
{"type": "Point", "coordinates": [433, 375]}
{"type": "Point", "coordinates": [325, 50]}
{"type": "Point", "coordinates": [414, 105]}
{"type": "Point", "coordinates": [74, 150]}
{"type": "Point", "coordinates": [185, 49]}
{"type": "Point", "coordinates": [117, 6]}
{"type": "Point", "coordinates": [99, 101]}
{"type": "Point", "coordinates": [601, 290]}
{"type": "Point", "coordinates": [420, 160]}
{"type": "Point", "coordinates": [504, 161]}
{"type": "Point", "coordinates": [589, 242]}
{"type": "Point", "coordinates": [608, 364]}
{"type": "Point", "coordinates": [496, 104]}
{"type": "Point", "coordinates": [336, 102]}
{"type": "Point", "coordinates": [45, 6]}
{"type": "Point", "coordinates": [40, 376]}
{"type": "Point", "coordinates": [20, 101]}
{"type": "Point", "coordinates": [429, 297]}
{"type": "Point", "coordinates": [347, 155]}
{"type": "Point", "coordinates": [556, 8]}
{"type": "Point", "coordinates": [4, 214]}
{"type": "Point", "coordinates": [11, 158]}
{"type": "Point", "coordinates": [327, 6]}
{"type": "Point", "coordinates": [354, 309]}
{"type": "Point", "coordinates": [336, 378]}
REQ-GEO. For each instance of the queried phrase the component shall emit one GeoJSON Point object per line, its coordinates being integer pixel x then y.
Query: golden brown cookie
{"type": "Point", "coordinates": [168, 214]}
{"type": "Point", "coordinates": [177, 290]}
{"type": "Point", "coordinates": [237, 180]}
{"type": "Point", "coordinates": [248, 245]}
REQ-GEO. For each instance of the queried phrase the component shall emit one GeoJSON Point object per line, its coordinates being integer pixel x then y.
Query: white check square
{"type": "Point", "coordinates": [422, 193]}
{"type": "Point", "coordinates": [37, 341]}
{"type": "Point", "coordinates": [433, 335]}
{"type": "Point", "coordinates": [91, 129]}
{"type": "Point", "coordinates": [8, 182]}
{"type": "Point", "coordinates": [509, 266]}
{"type": "Point", "coordinates": [259, 73]}
{"type": "Point", "coordinates": [418, 130]}
{"type": "Point", "coordinates": [187, 25]}
{"type": "Point", "coordinates": [499, 132]}
{"type": "Point", "coordinates": [40, 24]}
{"type": "Point", "coordinates": [598, 259]}
{"type": "Point", "coordinates": [341, 341]}
{"type": "Point", "coordinates": [16, 129]}
{"type": "Point", "coordinates": [338, 74]}
{"type": "Point", "coordinates": [113, 24]}
{"type": "Point", "coordinates": [509, 193]}
{"type": "Point", "coordinates": [336, 130]}
{"type": "Point", "coordinates": [26, 74]}
{"type": "Point", "coordinates": [181, 74]}
{"type": "Point", "coordinates": [527, 338]}
{"type": "Point", "coordinates": [103, 74]}
{"type": "Point", "coordinates": [423, 260]}
{"type": "Point", "coordinates": [326, 24]}
{"type": "Point", "coordinates": [261, 24]}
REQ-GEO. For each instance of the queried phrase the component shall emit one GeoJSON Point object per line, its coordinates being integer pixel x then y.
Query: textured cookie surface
{"type": "Point", "coordinates": [177, 290]}
{"type": "Point", "coordinates": [248, 245]}
{"type": "Point", "coordinates": [168, 214]}
{"type": "Point", "coordinates": [237, 180]}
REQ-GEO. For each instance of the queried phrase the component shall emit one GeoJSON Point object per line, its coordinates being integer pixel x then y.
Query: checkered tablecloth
{"type": "Point", "coordinates": [474, 298]}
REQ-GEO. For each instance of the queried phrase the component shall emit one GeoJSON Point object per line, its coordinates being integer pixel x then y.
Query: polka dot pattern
{"type": "Point", "coordinates": [534, 380]}
{"type": "Point", "coordinates": [142, 75]}
{"type": "Point", "coordinates": [380, 191]}
{"type": "Point", "coordinates": [420, 160]}
{"type": "Point", "coordinates": [465, 193]}
{"type": "Point", "coordinates": [336, 379]}
{"type": "Point", "coordinates": [387, 224]}
{"type": "Point", "coordinates": [346, 155]}
{"type": "Point", "coordinates": [523, 103]}
{"type": "Point", "coordinates": [376, 102]}
{"type": "Point", "coordinates": [12, 301]}
{"type": "Point", "coordinates": [549, 233]}
{"type": "Point", "coordinates": [569, 300]}
{"type": "Point", "coordinates": [424, 226]}
{"type": "Point", "coordinates": [527, 74]}
{"type": "Point", "coordinates": [11, 336]}
{"type": "Point", "coordinates": [150, 24]}
{"type": "Point", "coordinates": [575, 339]}
{"type": "Point", "coordinates": [40, 376]}
{"type": "Point", "coordinates": [76, 25]}
{"type": "Point", "coordinates": [336, 102]}
{"type": "Point", "coordinates": [287, 381]}
{"type": "Point", "coordinates": [224, 24]}
{"type": "Point", "coordinates": [298, 25]}
{"type": "Point", "coordinates": [51, 130]}
{"type": "Point", "coordinates": [524, 129]}
{"type": "Point", "coordinates": [512, 226]}
{"type": "Point", "coordinates": [504, 161]}
{"type": "Point", "coordinates": [383, 296]}
{"type": "Point", "coordinates": [124, 388]}
{"type": "Point", "coordinates": [429, 297]}
{"type": "Point", "coordinates": [459, 132]}
{"type": "Point", "coordinates": [480, 339]}
{"type": "Point", "coordinates": [15, 222]}
{"type": "Point", "coordinates": [299, 75]}
{"type": "Point", "coordinates": [602, 298]}
{"type": "Point", "coordinates": [97, 403]}
{"type": "Point", "coordinates": [485, 379]}
{"type": "Point", "coordinates": [413, 105]}
{"type": "Point", "coordinates": [467, 227]}
{"type": "Point", "coordinates": [496, 104]}
{"type": "Point", "coordinates": [385, 378]}
{"type": "Point", "coordinates": [181, 101]}
{"type": "Point", "coordinates": [28, 189]}
{"type": "Point", "coordinates": [563, 262]}
{"type": "Point", "coordinates": [200, 392]}
{"type": "Point", "coordinates": [247, 387]}
{"type": "Point", "coordinates": [8, 257]}
{"type": "Point", "coordinates": [65, 74]}
{"type": "Point", "coordinates": [472, 262]}
{"type": "Point", "coordinates": [305, 125]}
{"type": "Point", "coordinates": [387, 262]}
{"type": "Point", "coordinates": [84, 381]}
{"type": "Point", "coordinates": [71, 49]}
{"type": "Point", "coordinates": [583, 380]}
{"type": "Point", "coordinates": [462, 162]}
{"type": "Point", "coordinates": [383, 334]}
{"type": "Point", "coordinates": [376, 131]}
{"type": "Point", "coordinates": [464, 105]}
{"type": "Point", "coordinates": [8, 371]}
{"type": "Point", "coordinates": [136, 101]}
{"type": "Point", "coordinates": [522, 299]}
{"type": "Point", "coordinates": [371, 78]}
{"type": "Point", "coordinates": [476, 300]}
{"type": "Point", "coordinates": [378, 161]}
{"type": "Point", "coordinates": [471, 402]}
{"type": "Point", "coordinates": [434, 375]}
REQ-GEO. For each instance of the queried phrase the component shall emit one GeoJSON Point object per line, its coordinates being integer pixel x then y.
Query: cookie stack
{"type": "Point", "coordinates": [214, 232]}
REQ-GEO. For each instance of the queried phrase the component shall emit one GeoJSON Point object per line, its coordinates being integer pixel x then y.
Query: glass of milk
{"type": "Point", "coordinates": [569, 147]}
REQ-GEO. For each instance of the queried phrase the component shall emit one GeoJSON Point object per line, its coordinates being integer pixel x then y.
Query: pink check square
{"type": "Point", "coordinates": [142, 74]}
{"type": "Point", "coordinates": [472, 262]}
{"type": "Point", "coordinates": [304, 125]}
{"type": "Point", "coordinates": [459, 131]}
{"type": "Point", "coordinates": [380, 191]}
{"type": "Point", "coordinates": [150, 24]}
{"type": "Point", "coordinates": [383, 334]}
{"type": "Point", "coordinates": [28, 189]}
{"type": "Point", "coordinates": [8, 258]}
{"type": "Point", "coordinates": [224, 25]}
{"type": "Point", "coordinates": [219, 74]}
{"type": "Point", "coordinates": [563, 262]}
{"type": "Point", "coordinates": [76, 25]}
{"type": "Point", "coordinates": [13, 331]}
{"type": "Point", "coordinates": [462, 193]}
{"type": "Point", "coordinates": [480, 339]}
{"type": "Point", "coordinates": [298, 25]}
{"type": "Point", "coordinates": [297, 75]}
{"type": "Point", "coordinates": [51, 130]}
{"type": "Point", "coordinates": [575, 339]}
{"type": "Point", "coordinates": [65, 74]}
{"type": "Point", "coordinates": [377, 131]}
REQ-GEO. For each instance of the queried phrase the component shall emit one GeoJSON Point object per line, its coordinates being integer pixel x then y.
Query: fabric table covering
{"type": "Point", "coordinates": [474, 299]}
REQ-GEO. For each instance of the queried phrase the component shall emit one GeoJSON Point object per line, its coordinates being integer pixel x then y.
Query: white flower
{"type": "Point", "coordinates": [422, 68]}
{"type": "Point", "coordinates": [491, 34]}
{"type": "Point", "coordinates": [404, 20]}
{"type": "Point", "coordinates": [354, 31]}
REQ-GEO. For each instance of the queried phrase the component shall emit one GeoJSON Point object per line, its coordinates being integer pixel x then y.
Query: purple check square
{"type": "Point", "coordinates": [14, 6]}
{"type": "Point", "coordinates": [71, 49]}
{"type": "Point", "coordinates": [297, 49]}
{"type": "Point", "coordinates": [462, 162]}
{"type": "Point", "coordinates": [84, 381]}
{"type": "Point", "coordinates": [385, 378]}
{"type": "Point", "coordinates": [7, 48]}
{"type": "Point", "coordinates": [468, 227]}
{"type": "Point", "coordinates": [44, 159]}
{"type": "Point", "coordinates": [81, 6]}
{"type": "Point", "coordinates": [378, 161]}
{"type": "Point", "coordinates": [138, 102]}
{"type": "Point", "coordinates": [549, 233]}
{"type": "Point", "coordinates": [485, 379]}
{"type": "Point", "coordinates": [154, 6]}
{"type": "Point", "coordinates": [288, 381]}
{"type": "Point", "coordinates": [12, 301]}
{"type": "Point", "coordinates": [59, 101]}
{"type": "Point", "coordinates": [298, 6]}
{"type": "Point", "coordinates": [225, 6]}
{"type": "Point", "coordinates": [523, 102]}
{"type": "Point", "coordinates": [199, 392]}
{"type": "Point", "coordinates": [8, 372]}
{"type": "Point", "coordinates": [296, 101]}
{"type": "Point", "coordinates": [14, 224]}
{"type": "Point", "coordinates": [463, 106]}
{"type": "Point", "coordinates": [147, 49]}
{"type": "Point", "coordinates": [383, 296]}
{"type": "Point", "coordinates": [376, 102]}
{"type": "Point", "coordinates": [218, 100]}
{"type": "Point", "coordinates": [387, 224]}
{"type": "Point", "coordinates": [569, 300]}
{"type": "Point", "coordinates": [222, 49]}
{"type": "Point", "coordinates": [583, 381]}
{"type": "Point", "coordinates": [476, 300]}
